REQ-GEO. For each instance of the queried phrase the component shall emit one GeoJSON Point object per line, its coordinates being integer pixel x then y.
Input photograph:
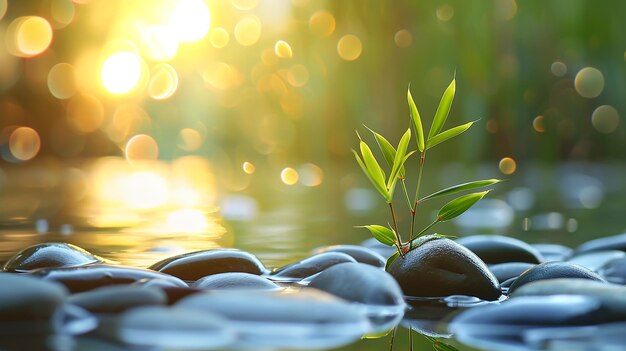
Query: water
{"type": "Point", "coordinates": [188, 211]}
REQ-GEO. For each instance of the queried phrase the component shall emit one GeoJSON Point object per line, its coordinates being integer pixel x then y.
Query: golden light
{"type": "Point", "coordinates": [311, 175]}
{"type": "Point", "coordinates": [62, 81]}
{"type": "Point", "coordinates": [248, 30]}
{"type": "Point", "coordinates": [220, 75]}
{"type": "Point", "coordinates": [62, 12]}
{"type": "Point", "coordinates": [121, 72]}
{"type": "Point", "coordinates": [190, 21]}
{"type": "Point", "coordinates": [3, 8]}
{"type": "Point", "coordinates": [158, 42]}
{"type": "Point", "coordinates": [187, 220]}
{"type": "Point", "coordinates": [507, 165]}
{"type": "Point", "coordinates": [189, 139]}
{"type": "Point", "coordinates": [605, 119]}
{"type": "Point", "coordinates": [298, 76]}
{"type": "Point", "coordinates": [141, 147]}
{"type": "Point", "coordinates": [28, 36]}
{"type": "Point", "coordinates": [24, 143]}
{"type": "Point", "coordinates": [282, 49]}
{"type": "Point", "coordinates": [349, 47]}
{"type": "Point", "coordinates": [403, 38]}
{"type": "Point", "coordinates": [589, 82]}
{"type": "Point", "coordinates": [163, 83]}
{"type": "Point", "coordinates": [289, 176]}
{"type": "Point", "coordinates": [143, 190]}
{"type": "Point", "coordinates": [322, 23]}
{"type": "Point", "coordinates": [445, 12]}
{"type": "Point", "coordinates": [248, 167]}
{"type": "Point", "coordinates": [219, 38]}
{"type": "Point", "coordinates": [244, 5]}
{"type": "Point", "coordinates": [85, 113]}
{"type": "Point", "coordinates": [538, 124]}
{"type": "Point", "coordinates": [128, 119]}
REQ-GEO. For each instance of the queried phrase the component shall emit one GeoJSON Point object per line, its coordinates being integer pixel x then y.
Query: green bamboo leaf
{"type": "Point", "coordinates": [374, 170]}
{"type": "Point", "coordinates": [459, 205]}
{"type": "Point", "coordinates": [417, 242]}
{"type": "Point", "coordinates": [394, 181]}
{"type": "Point", "coordinates": [461, 187]}
{"type": "Point", "coordinates": [417, 120]}
{"type": "Point", "coordinates": [448, 134]}
{"type": "Point", "coordinates": [398, 160]}
{"type": "Point", "coordinates": [391, 259]}
{"type": "Point", "coordinates": [382, 234]}
{"type": "Point", "coordinates": [442, 111]}
{"type": "Point", "coordinates": [381, 189]}
{"type": "Point", "coordinates": [389, 152]}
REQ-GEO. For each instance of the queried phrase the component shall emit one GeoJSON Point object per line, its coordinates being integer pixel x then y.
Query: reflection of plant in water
{"type": "Point", "coordinates": [396, 159]}
{"type": "Point", "coordinates": [437, 343]}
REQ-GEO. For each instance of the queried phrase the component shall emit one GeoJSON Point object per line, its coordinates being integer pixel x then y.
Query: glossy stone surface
{"type": "Point", "coordinates": [553, 252]}
{"type": "Point", "coordinates": [614, 271]}
{"type": "Point", "coordinates": [50, 255]}
{"type": "Point", "coordinates": [234, 281]}
{"type": "Point", "coordinates": [359, 253]}
{"type": "Point", "coordinates": [613, 242]}
{"type": "Point", "coordinates": [195, 265]}
{"type": "Point", "coordinates": [26, 298]}
{"type": "Point", "coordinates": [494, 249]}
{"type": "Point", "coordinates": [552, 270]}
{"type": "Point", "coordinates": [596, 259]}
{"type": "Point", "coordinates": [441, 267]}
{"type": "Point", "coordinates": [378, 247]}
{"type": "Point", "coordinates": [81, 279]}
{"type": "Point", "coordinates": [118, 298]}
{"type": "Point", "coordinates": [508, 270]}
{"type": "Point", "coordinates": [358, 282]}
{"type": "Point", "coordinates": [311, 265]}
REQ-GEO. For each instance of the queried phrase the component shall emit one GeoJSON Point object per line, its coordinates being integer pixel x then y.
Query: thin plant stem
{"type": "Point", "coordinates": [406, 195]}
{"type": "Point", "coordinates": [395, 228]}
{"type": "Point", "coordinates": [411, 338]}
{"type": "Point", "coordinates": [422, 232]}
{"type": "Point", "coordinates": [393, 336]}
{"type": "Point", "coordinates": [417, 191]}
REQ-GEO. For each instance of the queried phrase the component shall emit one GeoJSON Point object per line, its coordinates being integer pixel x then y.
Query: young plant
{"type": "Point", "coordinates": [396, 159]}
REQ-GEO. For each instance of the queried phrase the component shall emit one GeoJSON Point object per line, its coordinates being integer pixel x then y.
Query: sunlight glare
{"type": "Point", "coordinates": [289, 176]}
{"type": "Point", "coordinates": [163, 83]}
{"type": "Point", "coordinates": [191, 20]}
{"type": "Point", "coordinates": [141, 147]}
{"type": "Point", "coordinates": [121, 72]}
{"type": "Point", "coordinates": [187, 220]}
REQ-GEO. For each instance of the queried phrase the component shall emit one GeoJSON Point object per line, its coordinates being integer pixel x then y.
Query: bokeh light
{"type": "Point", "coordinates": [85, 113]}
{"type": "Point", "coordinates": [589, 82]}
{"type": "Point", "coordinates": [248, 30]}
{"type": "Point", "coordinates": [506, 9]}
{"type": "Point", "coordinates": [538, 124]}
{"type": "Point", "coordinates": [3, 8]}
{"type": "Point", "coordinates": [605, 119]}
{"type": "Point", "coordinates": [244, 5]}
{"type": "Point", "coordinates": [219, 38]}
{"type": "Point", "coordinates": [322, 23]}
{"type": "Point", "coordinates": [349, 47]}
{"type": "Point", "coordinates": [289, 176]}
{"type": "Point", "coordinates": [558, 68]}
{"type": "Point", "coordinates": [62, 12]}
{"type": "Point", "coordinates": [28, 36]}
{"type": "Point", "coordinates": [220, 75]}
{"type": "Point", "coordinates": [24, 143]}
{"type": "Point", "coordinates": [298, 76]}
{"type": "Point", "coordinates": [163, 83]}
{"type": "Point", "coordinates": [141, 147]}
{"type": "Point", "coordinates": [248, 167]}
{"type": "Point", "coordinates": [507, 165]}
{"type": "Point", "coordinates": [121, 72]}
{"type": "Point", "coordinates": [189, 139]}
{"type": "Point", "coordinates": [310, 174]}
{"type": "Point", "coordinates": [403, 38]}
{"type": "Point", "coordinates": [62, 81]}
{"type": "Point", "coordinates": [445, 12]}
{"type": "Point", "coordinates": [190, 21]}
{"type": "Point", "coordinates": [282, 49]}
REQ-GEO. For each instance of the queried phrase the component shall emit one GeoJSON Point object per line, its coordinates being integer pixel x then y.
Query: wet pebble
{"type": "Point", "coordinates": [596, 259]}
{"type": "Point", "coordinates": [553, 252]}
{"type": "Point", "coordinates": [118, 298]}
{"type": "Point", "coordinates": [614, 242]}
{"type": "Point", "coordinates": [508, 270]}
{"type": "Point", "coordinates": [441, 267]}
{"type": "Point", "coordinates": [358, 282]}
{"type": "Point", "coordinates": [26, 298]}
{"type": "Point", "coordinates": [235, 281]}
{"type": "Point", "coordinates": [195, 265]}
{"type": "Point", "coordinates": [311, 265]}
{"type": "Point", "coordinates": [614, 271]}
{"type": "Point", "coordinates": [50, 255]}
{"type": "Point", "coordinates": [79, 279]}
{"type": "Point", "coordinates": [500, 249]}
{"type": "Point", "coordinates": [552, 270]}
{"type": "Point", "coordinates": [359, 253]}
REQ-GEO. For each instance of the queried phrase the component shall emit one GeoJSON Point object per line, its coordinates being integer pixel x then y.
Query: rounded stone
{"type": "Point", "coordinates": [195, 265]}
{"type": "Point", "coordinates": [378, 247]}
{"type": "Point", "coordinates": [26, 298]}
{"type": "Point", "coordinates": [234, 281]}
{"type": "Point", "coordinates": [79, 279]}
{"type": "Point", "coordinates": [441, 267]}
{"type": "Point", "coordinates": [358, 282]}
{"type": "Point", "coordinates": [508, 270]}
{"type": "Point", "coordinates": [118, 298]}
{"type": "Point", "coordinates": [50, 255]}
{"type": "Point", "coordinates": [311, 265]}
{"type": "Point", "coordinates": [614, 271]}
{"type": "Point", "coordinates": [552, 270]}
{"type": "Point", "coordinates": [613, 242]}
{"type": "Point", "coordinates": [596, 259]}
{"type": "Point", "coordinates": [553, 252]}
{"type": "Point", "coordinates": [359, 253]}
{"type": "Point", "coordinates": [500, 249]}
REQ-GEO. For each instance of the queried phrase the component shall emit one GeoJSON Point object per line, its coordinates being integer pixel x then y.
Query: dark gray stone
{"type": "Point", "coordinates": [26, 298]}
{"type": "Point", "coordinates": [613, 242]}
{"type": "Point", "coordinates": [508, 270]}
{"type": "Point", "coordinates": [614, 271]}
{"type": "Point", "coordinates": [494, 249]}
{"type": "Point", "coordinates": [50, 255]}
{"type": "Point", "coordinates": [235, 281]}
{"type": "Point", "coordinates": [118, 298]}
{"type": "Point", "coordinates": [378, 247]}
{"type": "Point", "coordinates": [195, 265]}
{"type": "Point", "coordinates": [596, 259]}
{"type": "Point", "coordinates": [552, 270]}
{"type": "Point", "coordinates": [359, 253]}
{"type": "Point", "coordinates": [553, 252]}
{"type": "Point", "coordinates": [441, 267]}
{"type": "Point", "coordinates": [358, 282]}
{"type": "Point", "coordinates": [311, 265]}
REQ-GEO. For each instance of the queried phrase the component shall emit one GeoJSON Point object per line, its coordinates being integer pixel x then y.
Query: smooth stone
{"type": "Point", "coordinates": [507, 284]}
{"type": "Point", "coordinates": [311, 265]}
{"type": "Point", "coordinates": [596, 259]}
{"type": "Point", "coordinates": [173, 328]}
{"type": "Point", "coordinates": [614, 271]}
{"type": "Point", "coordinates": [441, 267]}
{"type": "Point", "coordinates": [359, 282]}
{"type": "Point", "coordinates": [494, 249]}
{"type": "Point", "coordinates": [613, 242]}
{"type": "Point", "coordinates": [552, 270]}
{"type": "Point", "coordinates": [235, 281]}
{"type": "Point", "coordinates": [50, 255]}
{"type": "Point", "coordinates": [26, 298]}
{"type": "Point", "coordinates": [195, 265]}
{"type": "Point", "coordinates": [508, 270]}
{"type": "Point", "coordinates": [613, 297]}
{"type": "Point", "coordinates": [359, 253]}
{"type": "Point", "coordinates": [118, 298]}
{"type": "Point", "coordinates": [553, 252]}
{"type": "Point", "coordinates": [378, 247]}
{"type": "Point", "coordinates": [284, 319]}
{"type": "Point", "coordinates": [79, 279]}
